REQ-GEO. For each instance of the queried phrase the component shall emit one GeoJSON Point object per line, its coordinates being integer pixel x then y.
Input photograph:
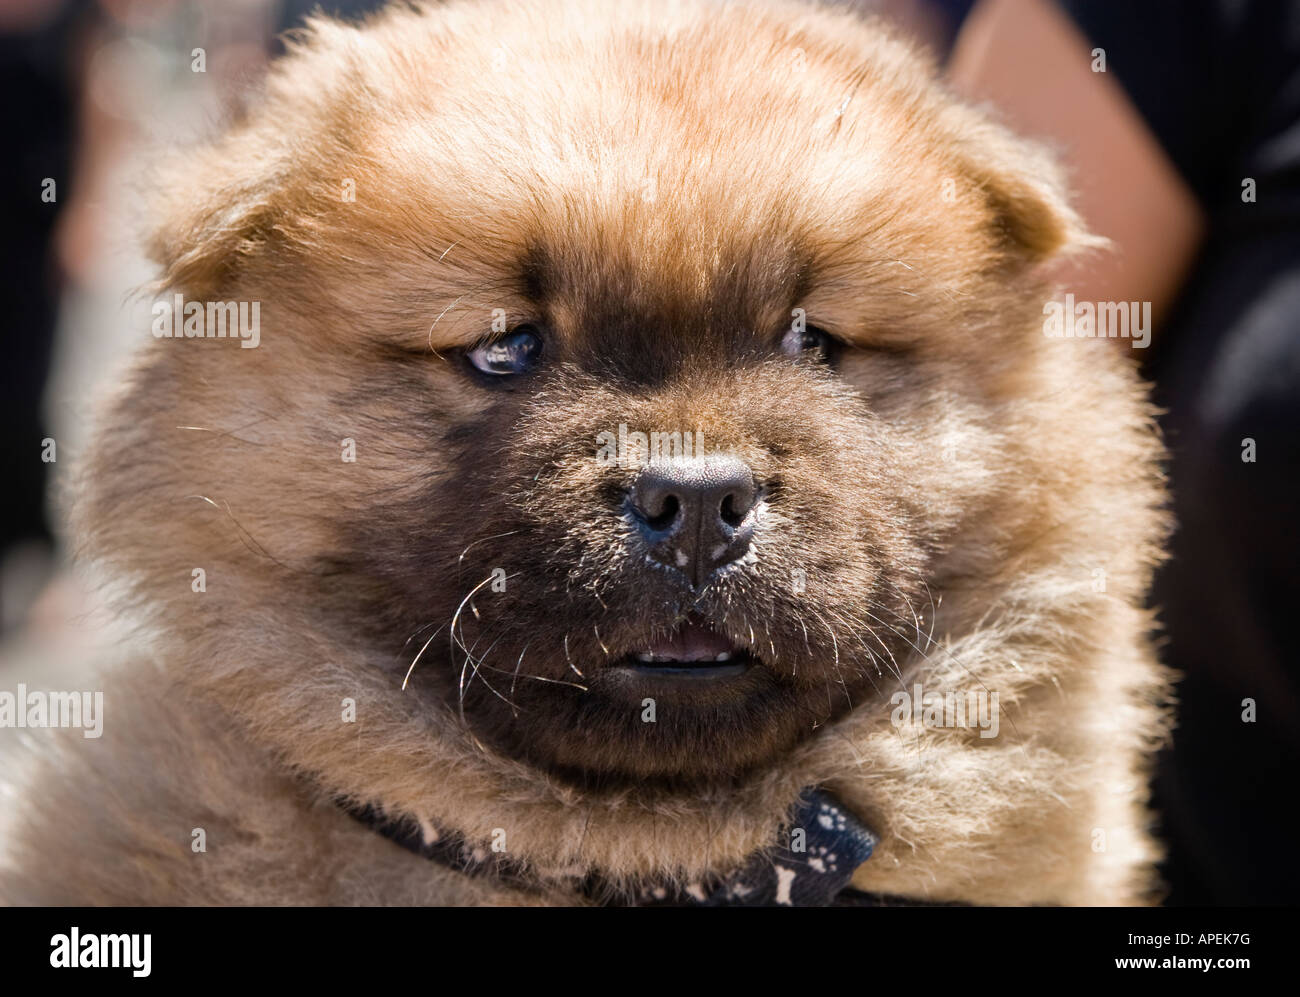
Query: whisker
{"type": "Point", "coordinates": [518, 665]}
{"type": "Point", "coordinates": [536, 678]}
{"type": "Point", "coordinates": [421, 652]}
{"type": "Point", "coordinates": [570, 660]}
{"type": "Point", "coordinates": [454, 640]}
{"type": "Point", "coordinates": [480, 540]}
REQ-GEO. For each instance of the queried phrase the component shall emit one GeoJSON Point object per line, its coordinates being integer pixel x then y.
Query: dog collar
{"type": "Point", "coordinates": [810, 867]}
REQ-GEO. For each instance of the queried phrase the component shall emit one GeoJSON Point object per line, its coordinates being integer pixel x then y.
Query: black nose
{"type": "Point", "coordinates": [696, 513]}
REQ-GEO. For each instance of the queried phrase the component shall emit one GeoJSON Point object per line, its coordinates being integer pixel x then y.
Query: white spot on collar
{"type": "Point", "coordinates": [784, 880]}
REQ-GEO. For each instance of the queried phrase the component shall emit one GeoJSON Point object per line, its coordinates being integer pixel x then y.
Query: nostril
{"type": "Point", "coordinates": [734, 510]}
{"type": "Point", "coordinates": [664, 516]}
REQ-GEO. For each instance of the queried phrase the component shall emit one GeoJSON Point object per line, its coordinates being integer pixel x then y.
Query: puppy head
{"type": "Point", "coordinates": [492, 245]}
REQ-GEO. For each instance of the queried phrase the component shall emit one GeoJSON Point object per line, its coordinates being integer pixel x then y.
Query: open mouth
{"type": "Point", "coordinates": [692, 651]}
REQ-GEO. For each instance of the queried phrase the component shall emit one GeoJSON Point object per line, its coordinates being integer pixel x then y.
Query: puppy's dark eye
{"type": "Point", "coordinates": [516, 353]}
{"type": "Point", "coordinates": [811, 342]}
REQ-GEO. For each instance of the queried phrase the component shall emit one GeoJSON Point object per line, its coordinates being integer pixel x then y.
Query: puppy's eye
{"type": "Point", "coordinates": [516, 353]}
{"type": "Point", "coordinates": [811, 342]}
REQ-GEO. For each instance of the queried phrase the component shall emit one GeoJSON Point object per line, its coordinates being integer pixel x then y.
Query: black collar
{"type": "Point", "coordinates": [810, 867]}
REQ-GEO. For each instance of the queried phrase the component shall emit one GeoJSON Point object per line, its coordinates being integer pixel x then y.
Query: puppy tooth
{"type": "Point", "coordinates": [724, 656]}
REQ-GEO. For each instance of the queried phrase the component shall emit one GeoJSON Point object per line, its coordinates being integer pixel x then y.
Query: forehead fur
{"type": "Point", "coordinates": [719, 156]}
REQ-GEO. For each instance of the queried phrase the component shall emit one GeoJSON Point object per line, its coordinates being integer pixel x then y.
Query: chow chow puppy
{"type": "Point", "coordinates": [648, 469]}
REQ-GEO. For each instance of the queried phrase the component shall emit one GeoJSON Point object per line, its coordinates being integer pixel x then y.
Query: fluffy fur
{"type": "Point", "coordinates": [661, 184]}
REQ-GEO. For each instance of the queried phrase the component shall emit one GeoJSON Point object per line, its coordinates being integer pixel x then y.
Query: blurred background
{"type": "Point", "coordinates": [1179, 121]}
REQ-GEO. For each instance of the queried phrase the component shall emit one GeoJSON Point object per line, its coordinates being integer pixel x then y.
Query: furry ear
{"type": "Point", "coordinates": [221, 205]}
{"type": "Point", "coordinates": [218, 209]}
{"type": "Point", "coordinates": [1025, 190]}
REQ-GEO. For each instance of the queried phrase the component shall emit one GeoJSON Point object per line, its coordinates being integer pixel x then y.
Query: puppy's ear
{"type": "Point", "coordinates": [1025, 191]}
{"type": "Point", "coordinates": [222, 205]}
{"type": "Point", "coordinates": [211, 215]}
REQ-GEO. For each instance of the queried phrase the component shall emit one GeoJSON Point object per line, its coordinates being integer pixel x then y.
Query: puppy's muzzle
{"type": "Point", "coordinates": [696, 514]}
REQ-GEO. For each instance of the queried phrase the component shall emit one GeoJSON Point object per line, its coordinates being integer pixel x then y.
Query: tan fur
{"type": "Point", "coordinates": [1000, 468]}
